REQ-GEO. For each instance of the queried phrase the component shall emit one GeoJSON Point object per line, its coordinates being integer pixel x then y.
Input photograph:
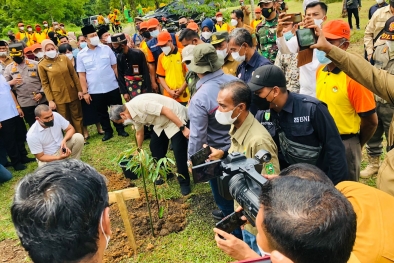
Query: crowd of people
{"type": "Point", "coordinates": [239, 87]}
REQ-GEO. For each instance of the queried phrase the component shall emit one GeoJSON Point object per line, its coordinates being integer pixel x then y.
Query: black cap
{"type": "Point", "coordinates": [16, 47]}
{"type": "Point", "coordinates": [101, 31]}
{"type": "Point", "coordinates": [89, 29]}
{"type": "Point", "coordinates": [3, 43]}
{"type": "Point", "coordinates": [388, 31]}
{"type": "Point", "coordinates": [267, 76]}
{"type": "Point", "coordinates": [118, 38]}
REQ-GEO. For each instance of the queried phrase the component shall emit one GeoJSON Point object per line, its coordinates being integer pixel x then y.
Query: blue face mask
{"type": "Point", "coordinates": [288, 35]}
{"type": "Point", "coordinates": [82, 45]}
{"type": "Point", "coordinates": [321, 56]}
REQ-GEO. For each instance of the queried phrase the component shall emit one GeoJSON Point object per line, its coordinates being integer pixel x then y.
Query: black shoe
{"type": "Point", "coordinates": [170, 176]}
{"type": "Point", "coordinates": [19, 167]}
{"type": "Point", "coordinates": [27, 160]}
{"type": "Point", "coordinates": [123, 134]}
{"type": "Point", "coordinates": [107, 136]}
{"type": "Point", "coordinates": [159, 181]}
{"type": "Point", "coordinates": [217, 214]}
{"type": "Point", "coordinates": [185, 189]}
{"type": "Point", "coordinates": [358, 28]}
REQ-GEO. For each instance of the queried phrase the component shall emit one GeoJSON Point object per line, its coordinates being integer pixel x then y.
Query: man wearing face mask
{"type": "Point", "coordinates": [31, 40]}
{"type": "Point", "coordinates": [207, 28]}
{"type": "Point", "coordinates": [39, 35]}
{"type": "Point", "coordinates": [133, 72]}
{"type": "Point", "coordinates": [258, 18]}
{"type": "Point", "coordinates": [237, 18]}
{"type": "Point", "coordinates": [288, 62]}
{"type": "Point", "coordinates": [96, 66]}
{"type": "Point", "coordinates": [37, 51]}
{"type": "Point", "coordinates": [5, 59]}
{"type": "Point", "coordinates": [169, 119]}
{"type": "Point", "coordinates": [301, 126]}
{"type": "Point", "coordinates": [171, 71]}
{"type": "Point", "coordinates": [182, 24]}
{"type": "Point", "coordinates": [145, 37]}
{"type": "Point", "coordinates": [351, 105]}
{"type": "Point", "coordinates": [81, 43]}
{"type": "Point", "coordinates": [374, 8]}
{"type": "Point", "coordinates": [315, 13]}
{"type": "Point", "coordinates": [189, 37]}
{"type": "Point", "coordinates": [45, 221]}
{"type": "Point", "coordinates": [220, 25]}
{"type": "Point", "coordinates": [104, 36]}
{"type": "Point", "coordinates": [266, 30]}
{"type": "Point", "coordinates": [22, 75]}
{"type": "Point", "coordinates": [247, 136]}
{"type": "Point", "coordinates": [45, 137]}
{"type": "Point", "coordinates": [22, 34]}
{"type": "Point", "coordinates": [243, 51]}
{"type": "Point", "coordinates": [137, 38]}
{"type": "Point", "coordinates": [219, 40]}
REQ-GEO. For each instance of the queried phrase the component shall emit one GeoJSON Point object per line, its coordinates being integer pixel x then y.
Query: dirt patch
{"type": "Point", "coordinates": [116, 181]}
{"type": "Point", "coordinates": [11, 251]}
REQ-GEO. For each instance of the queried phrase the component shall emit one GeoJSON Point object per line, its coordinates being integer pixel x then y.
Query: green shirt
{"type": "Point", "coordinates": [267, 36]}
{"type": "Point", "coordinates": [249, 139]}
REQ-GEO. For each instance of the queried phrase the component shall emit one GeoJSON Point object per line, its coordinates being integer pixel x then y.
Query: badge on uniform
{"type": "Point", "coordinates": [267, 115]}
{"type": "Point", "coordinates": [31, 66]}
{"type": "Point", "coordinates": [269, 169]}
{"type": "Point", "coordinates": [33, 74]}
{"type": "Point", "coordinates": [335, 89]}
{"type": "Point", "coordinates": [136, 69]}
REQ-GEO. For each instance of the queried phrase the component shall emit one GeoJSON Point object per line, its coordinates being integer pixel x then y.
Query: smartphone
{"type": "Point", "coordinates": [295, 18]}
{"type": "Point", "coordinates": [64, 150]}
{"type": "Point", "coordinates": [306, 37]}
{"type": "Point", "coordinates": [207, 171]}
{"type": "Point", "coordinates": [231, 222]}
{"type": "Point", "coordinates": [200, 156]}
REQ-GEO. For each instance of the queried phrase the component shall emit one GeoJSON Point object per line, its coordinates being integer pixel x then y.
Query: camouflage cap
{"type": "Point", "coordinates": [219, 37]}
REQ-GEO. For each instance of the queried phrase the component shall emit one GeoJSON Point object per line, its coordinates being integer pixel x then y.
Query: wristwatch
{"type": "Point", "coordinates": [182, 127]}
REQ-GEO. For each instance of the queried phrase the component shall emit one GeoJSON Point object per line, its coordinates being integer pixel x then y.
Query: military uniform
{"type": "Point", "coordinates": [28, 88]}
{"type": "Point", "coordinates": [230, 65]}
{"type": "Point", "coordinates": [266, 32]}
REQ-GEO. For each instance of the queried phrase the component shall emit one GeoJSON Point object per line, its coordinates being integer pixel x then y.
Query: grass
{"type": "Point", "coordinates": [195, 243]}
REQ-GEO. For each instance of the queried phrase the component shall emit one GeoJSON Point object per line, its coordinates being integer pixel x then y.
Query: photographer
{"type": "Point", "coordinates": [247, 136]}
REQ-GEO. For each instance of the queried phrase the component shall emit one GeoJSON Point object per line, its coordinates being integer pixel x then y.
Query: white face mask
{"type": "Point", "coordinates": [219, 19]}
{"type": "Point", "coordinates": [318, 22]}
{"type": "Point", "coordinates": [51, 54]}
{"type": "Point", "coordinates": [39, 55]}
{"type": "Point", "coordinates": [94, 41]}
{"type": "Point", "coordinates": [30, 29]}
{"type": "Point", "coordinates": [154, 33]}
{"type": "Point", "coordinates": [128, 122]}
{"type": "Point", "coordinates": [237, 57]}
{"type": "Point", "coordinates": [108, 39]}
{"type": "Point", "coordinates": [166, 50]}
{"type": "Point", "coordinates": [222, 53]}
{"type": "Point", "coordinates": [263, 253]}
{"type": "Point", "coordinates": [206, 35]}
{"type": "Point", "coordinates": [224, 118]}
{"type": "Point", "coordinates": [390, 44]}
{"type": "Point", "coordinates": [62, 27]}
{"type": "Point", "coordinates": [70, 56]}
{"type": "Point", "coordinates": [22, 28]}
{"type": "Point", "coordinates": [3, 54]}
{"type": "Point", "coordinates": [234, 22]}
{"type": "Point", "coordinates": [107, 238]}
{"type": "Point", "coordinates": [45, 25]}
{"type": "Point", "coordinates": [379, 1]}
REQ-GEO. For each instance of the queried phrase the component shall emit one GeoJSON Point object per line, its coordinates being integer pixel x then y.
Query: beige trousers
{"type": "Point", "coordinates": [75, 144]}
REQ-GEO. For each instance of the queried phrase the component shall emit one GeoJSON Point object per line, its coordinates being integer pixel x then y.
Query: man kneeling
{"type": "Point", "coordinates": [45, 137]}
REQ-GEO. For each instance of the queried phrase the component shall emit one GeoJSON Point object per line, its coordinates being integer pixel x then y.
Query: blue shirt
{"type": "Point", "coordinates": [97, 64]}
{"type": "Point", "coordinates": [245, 69]}
{"type": "Point", "coordinates": [7, 105]}
{"type": "Point", "coordinates": [374, 8]}
{"type": "Point", "coordinates": [204, 128]}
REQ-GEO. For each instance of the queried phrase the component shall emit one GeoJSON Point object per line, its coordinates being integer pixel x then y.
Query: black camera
{"type": "Point", "coordinates": [238, 178]}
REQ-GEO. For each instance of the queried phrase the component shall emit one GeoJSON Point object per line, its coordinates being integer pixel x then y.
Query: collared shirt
{"type": "Point", "coordinates": [245, 69]}
{"type": "Point", "coordinates": [375, 25]}
{"type": "Point", "coordinates": [230, 65]}
{"type": "Point", "coordinates": [375, 228]}
{"type": "Point", "coordinates": [347, 100]}
{"type": "Point", "coordinates": [288, 63]}
{"type": "Point", "coordinates": [223, 27]}
{"type": "Point", "coordinates": [384, 59]}
{"type": "Point", "coordinates": [266, 32]}
{"type": "Point", "coordinates": [255, 23]}
{"type": "Point", "coordinates": [306, 120]}
{"type": "Point", "coordinates": [373, 9]}
{"type": "Point", "coordinates": [47, 140]}
{"type": "Point", "coordinates": [204, 128]}
{"type": "Point", "coordinates": [7, 106]}
{"type": "Point", "coordinates": [249, 139]}
{"type": "Point", "coordinates": [30, 85]}
{"type": "Point", "coordinates": [307, 72]}
{"type": "Point", "coordinates": [4, 64]}
{"type": "Point", "coordinates": [145, 109]}
{"type": "Point", "coordinates": [97, 63]}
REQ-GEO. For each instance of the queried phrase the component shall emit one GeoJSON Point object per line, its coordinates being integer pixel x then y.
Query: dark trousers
{"type": "Point", "coordinates": [353, 11]}
{"type": "Point", "coordinates": [3, 152]}
{"type": "Point", "coordinates": [159, 147]}
{"type": "Point", "coordinates": [101, 102]}
{"type": "Point", "coordinates": [13, 133]}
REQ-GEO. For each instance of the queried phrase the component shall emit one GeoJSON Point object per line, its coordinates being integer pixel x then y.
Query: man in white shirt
{"type": "Point", "coordinates": [45, 137]}
{"type": "Point", "coordinates": [96, 66]}
{"type": "Point", "coordinates": [316, 11]}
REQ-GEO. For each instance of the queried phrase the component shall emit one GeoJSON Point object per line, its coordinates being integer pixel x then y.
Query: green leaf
{"type": "Point", "coordinates": [161, 212]}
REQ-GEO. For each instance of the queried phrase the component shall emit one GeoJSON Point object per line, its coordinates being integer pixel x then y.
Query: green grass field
{"type": "Point", "coordinates": [195, 243]}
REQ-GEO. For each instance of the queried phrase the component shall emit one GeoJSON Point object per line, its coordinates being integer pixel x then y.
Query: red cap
{"type": "Point", "coordinates": [257, 10]}
{"type": "Point", "coordinates": [163, 38]}
{"type": "Point", "coordinates": [153, 22]}
{"type": "Point", "coordinates": [219, 14]}
{"type": "Point", "coordinates": [192, 26]}
{"type": "Point", "coordinates": [336, 29]}
{"type": "Point", "coordinates": [27, 49]}
{"type": "Point", "coordinates": [144, 25]}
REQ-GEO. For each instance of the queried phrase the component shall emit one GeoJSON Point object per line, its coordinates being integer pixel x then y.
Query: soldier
{"type": "Point", "coordinates": [384, 59]}
{"type": "Point", "coordinates": [220, 41]}
{"type": "Point", "coordinates": [5, 59]}
{"type": "Point", "coordinates": [266, 30]}
{"type": "Point", "coordinates": [22, 74]}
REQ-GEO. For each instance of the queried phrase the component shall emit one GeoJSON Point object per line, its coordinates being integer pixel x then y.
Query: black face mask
{"type": "Point", "coordinates": [182, 26]}
{"type": "Point", "coordinates": [260, 103]}
{"type": "Point", "coordinates": [146, 34]}
{"type": "Point", "coordinates": [119, 49]}
{"type": "Point", "coordinates": [267, 11]}
{"type": "Point", "coordinates": [48, 123]}
{"type": "Point", "coordinates": [12, 38]}
{"type": "Point", "coordinates": [18, 60]}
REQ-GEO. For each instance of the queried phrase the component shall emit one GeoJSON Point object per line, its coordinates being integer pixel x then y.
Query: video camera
{"type": "Point", "coordinates": [238, 178]}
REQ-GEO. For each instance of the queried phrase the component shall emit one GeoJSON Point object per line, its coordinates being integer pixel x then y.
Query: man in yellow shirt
{"type": "Point", "coordinates": [258, 18]}
{"type": "Point", "coordinates": [22, 34]}
{"type": "Point", "coordinates": [39, 35]}
{"type": "Point", "coordinates": [219, 40]}
{"type": "Point", "coordinates": [170, 69]}
{"type": "Point", "coordinates": [220, 25]}
{"type": "Point", "coordinates": [30, 36]}
{"type": "Point", "coordinates": [237, 21]}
